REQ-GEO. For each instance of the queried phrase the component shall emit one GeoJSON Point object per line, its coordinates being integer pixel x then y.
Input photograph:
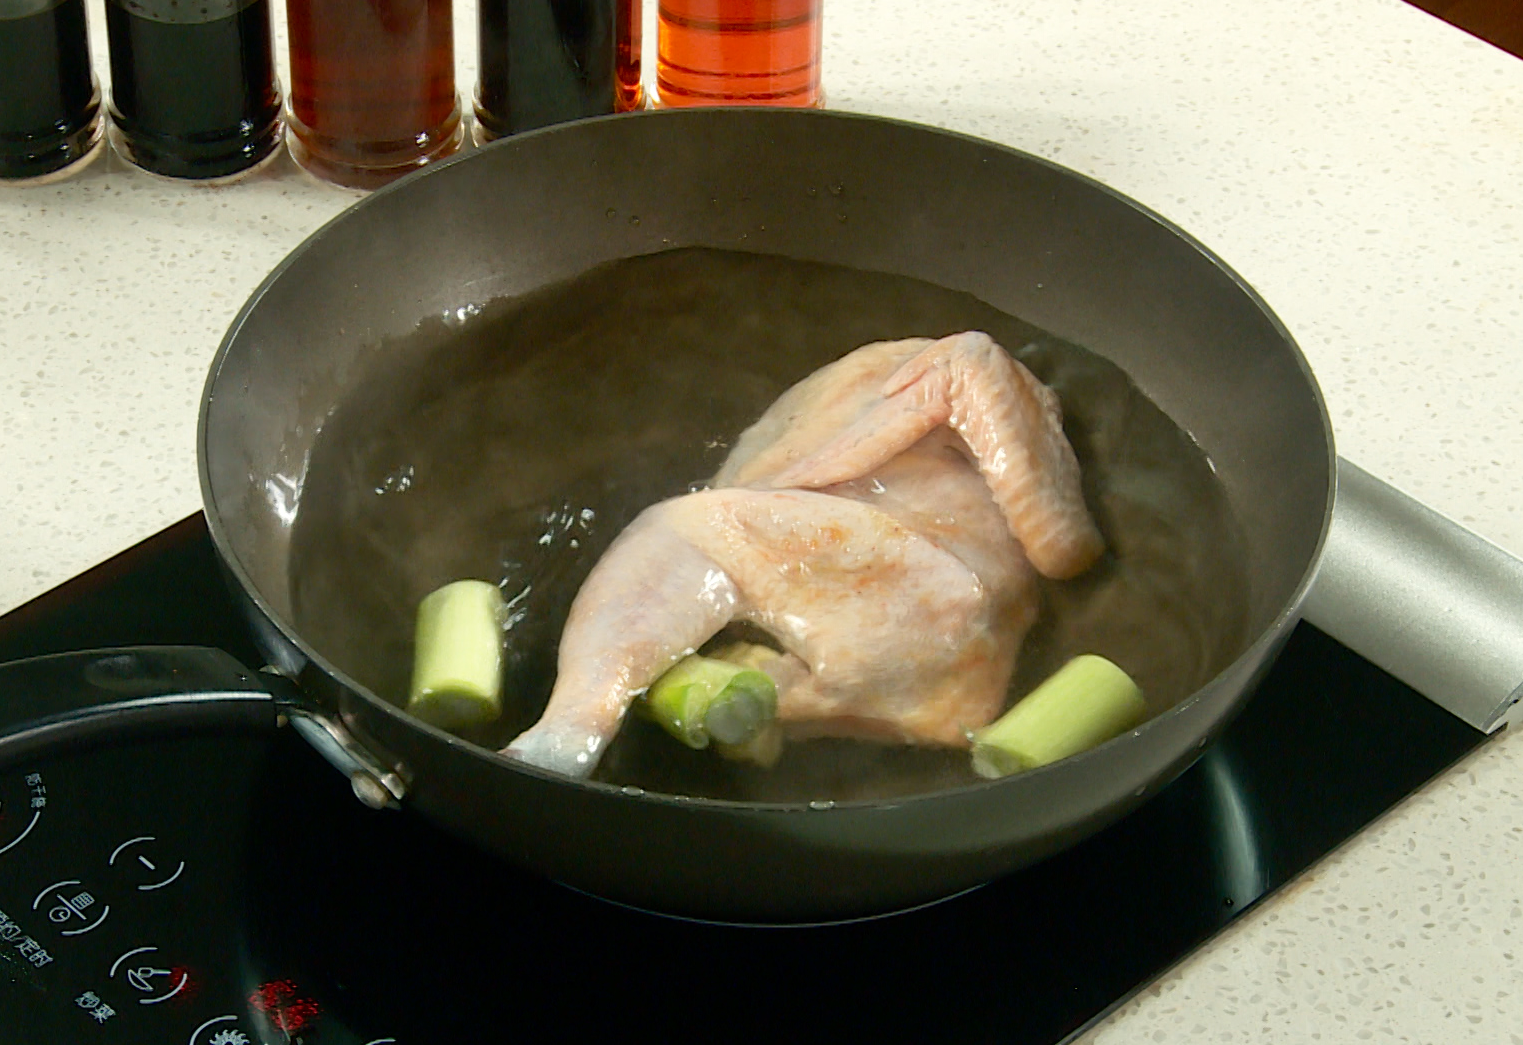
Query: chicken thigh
{"type": "Point", "coordinates": [883, 522]}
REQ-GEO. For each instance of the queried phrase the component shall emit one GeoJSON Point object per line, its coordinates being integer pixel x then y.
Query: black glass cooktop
{"type": "Point", "coordinates": [224, 888]}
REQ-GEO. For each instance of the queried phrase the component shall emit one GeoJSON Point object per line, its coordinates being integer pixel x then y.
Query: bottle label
{"type": "Point", "coordinates": [180, 12]}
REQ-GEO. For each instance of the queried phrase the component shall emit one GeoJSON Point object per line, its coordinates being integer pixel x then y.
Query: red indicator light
{"type": "Point", "coordinates": [281, 1003]}
{"type": "Point", "coordinates": [189, 981]}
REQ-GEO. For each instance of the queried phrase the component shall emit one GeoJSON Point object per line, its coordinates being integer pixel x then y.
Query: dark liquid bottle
{"type": "Point", "coordinates": [548, 61]}
{"type": "Point", "coordinates": [193, 92]}
{"type": "Point", "coordinates": [49, 102]}
{"type": "Point", "coordinates": [372, 87]}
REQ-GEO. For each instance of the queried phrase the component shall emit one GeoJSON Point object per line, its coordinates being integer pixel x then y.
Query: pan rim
{"type": "Point", "coordinates": [1256, 652]}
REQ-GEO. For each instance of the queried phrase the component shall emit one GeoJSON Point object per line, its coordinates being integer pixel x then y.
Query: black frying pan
{"type": "Point", "coordinates": [1024, 236]}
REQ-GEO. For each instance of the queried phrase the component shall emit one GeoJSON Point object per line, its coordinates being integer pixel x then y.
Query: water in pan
{"type": "Point", "coordinates": [514, 441]}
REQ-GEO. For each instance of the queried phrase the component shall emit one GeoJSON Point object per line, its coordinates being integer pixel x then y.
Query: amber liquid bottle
{"type": "Point", "coordinates": [193, 91]}
{"type": "Point", "coordinates": [627, 59]}
{"type": "Point", "coordinates": [372, 88]}
{"type": "Point", "coordinates": [548, 61]}
{"type": "Point", "coordinates": [50, 120]}
{"type": "Point", "coordinates": [738, 52]}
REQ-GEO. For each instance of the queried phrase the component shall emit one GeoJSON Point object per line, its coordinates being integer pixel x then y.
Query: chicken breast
{"type": "Point", "coordinates": [884, 521]}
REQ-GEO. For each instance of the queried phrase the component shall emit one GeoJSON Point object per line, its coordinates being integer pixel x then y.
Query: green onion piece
{"type": "Point", "coordinates": [700, 698]}
{"type": "Point", "coordinates": [1088, 701]}
{"type": "Point", "coordinates": [763, 749]}
{"type": "Point", "coordinates": [457, 658]}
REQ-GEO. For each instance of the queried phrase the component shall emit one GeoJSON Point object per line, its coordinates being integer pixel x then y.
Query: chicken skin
{"type": "Point", "coordinates": [884, 522]}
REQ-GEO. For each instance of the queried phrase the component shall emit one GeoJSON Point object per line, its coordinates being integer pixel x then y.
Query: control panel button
{"type": "Point", "coordinates": [71, 902]}
{"type": "Point", "coordinates": [219, 1030]}
{"type": "Point", "coordinates": [140, 859]}
{"type": "Point", "coordinates": [145, 976]}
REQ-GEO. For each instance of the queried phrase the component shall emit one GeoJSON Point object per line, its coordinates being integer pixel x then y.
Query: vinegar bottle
{"type": "Point", "coordinates": [738, 52]}
{"type": "Point", "coordinates": [50, 120]}
{"type": "Point", "coordinates": [193, 91]}
{"type": "Point", "coordinates": [372, 88]}
{"type": "Point", "coordinates": [547, 61]}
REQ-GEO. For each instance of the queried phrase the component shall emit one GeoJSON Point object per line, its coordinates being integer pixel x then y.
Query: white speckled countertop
{"type": "Point", "coordinates": [1359, 162]}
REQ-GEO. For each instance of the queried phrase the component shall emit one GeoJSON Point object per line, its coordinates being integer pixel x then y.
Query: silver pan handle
{"type": "Point", "coordinates": [1423, 598]}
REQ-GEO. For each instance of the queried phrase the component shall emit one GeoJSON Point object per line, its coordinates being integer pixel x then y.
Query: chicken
{"type": "Point", "coordinates": [884, 521]}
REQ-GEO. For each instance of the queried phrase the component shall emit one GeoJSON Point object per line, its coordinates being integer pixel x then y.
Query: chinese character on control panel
{"type": "Point", "coordinates": [98, 1010]}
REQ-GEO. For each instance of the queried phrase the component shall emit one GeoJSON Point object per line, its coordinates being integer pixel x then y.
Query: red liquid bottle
{"type": "Point", "coordinates": [50, 119]}
{"type": "Point", "coordinates": [372, 88]}
{"type": "Point", "coordinates": [738, 52]}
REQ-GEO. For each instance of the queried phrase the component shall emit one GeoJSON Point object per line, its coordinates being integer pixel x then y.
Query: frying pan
{"type": "Point", "coordinates": [1028, 237]}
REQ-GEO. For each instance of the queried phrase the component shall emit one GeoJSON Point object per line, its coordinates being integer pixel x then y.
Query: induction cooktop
{"type": "Point", "coordinates": [223, 887]}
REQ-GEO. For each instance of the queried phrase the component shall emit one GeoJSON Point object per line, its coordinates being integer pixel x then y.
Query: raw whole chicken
{"type": "Point", "coordinates": [883, 522]}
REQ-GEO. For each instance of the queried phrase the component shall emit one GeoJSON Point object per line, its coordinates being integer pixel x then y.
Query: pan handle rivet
{"type": "Point", "coordinates": [375, 783]}
{"type": "Point", "coordinates": [370, 791]}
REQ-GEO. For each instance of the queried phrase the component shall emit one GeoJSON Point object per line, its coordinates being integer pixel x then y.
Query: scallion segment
{"type": "Point", "coordinates": [1088, 701]}
{"type": "Point", "coordinates": [763, 749]}
{"type": "Point", "coordinates": [457, 656]}
{"type": "Point", "coordinates": [701, 698]}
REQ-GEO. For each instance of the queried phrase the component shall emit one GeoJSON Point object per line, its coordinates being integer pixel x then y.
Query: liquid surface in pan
{"type": "Point", "coordinates": [511, 441]}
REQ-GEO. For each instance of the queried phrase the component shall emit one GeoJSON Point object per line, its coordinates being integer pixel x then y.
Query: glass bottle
{"type": "Point", "coordinates": [738, 52]}
{"type": "Point", "coordinates": [631, 37]}
{"type": "Point", "coordinates": [50, 120]}
{"type": "Point", "coordinates": [193, 91]}
{"type": "Point", "coordinates": [547, 61]}
{"type": "Point", "coordinates": [372, 87]}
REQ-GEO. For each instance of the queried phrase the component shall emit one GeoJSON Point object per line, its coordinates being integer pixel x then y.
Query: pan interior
{"type": "Point", "coordinates": [512, 441]}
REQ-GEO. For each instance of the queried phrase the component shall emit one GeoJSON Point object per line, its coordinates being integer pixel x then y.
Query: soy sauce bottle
{"type": "Point", "coordinates": [50, 118]}
{"type": "Point", "coordinates": [193, 91]}
{"type": "Point", "coordinates": [372, 87]}
{"type": "Point", "coordinates": [548, 61]}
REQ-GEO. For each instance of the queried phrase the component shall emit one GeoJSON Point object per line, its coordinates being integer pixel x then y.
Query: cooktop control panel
{"type": "Point", "coordinates": [123, 901]}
